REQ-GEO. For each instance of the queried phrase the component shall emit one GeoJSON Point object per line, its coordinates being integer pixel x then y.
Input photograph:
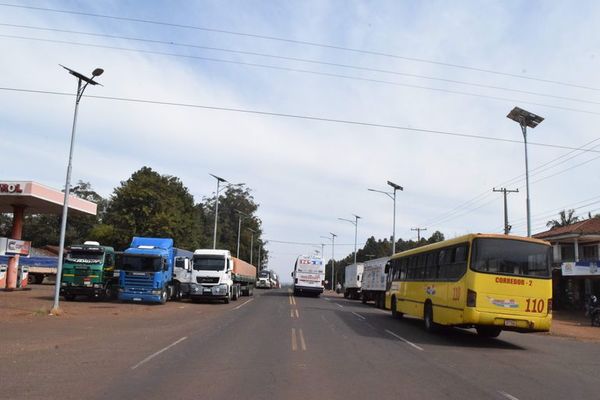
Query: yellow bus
{"type": "Point", "coordinates": [484, 281]}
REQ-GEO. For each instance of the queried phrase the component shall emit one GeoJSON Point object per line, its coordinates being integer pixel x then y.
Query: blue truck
{"type": "Point", "coordinates": [149, 270]}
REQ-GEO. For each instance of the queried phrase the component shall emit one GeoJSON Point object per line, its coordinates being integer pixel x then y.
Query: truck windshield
{"type": "Point", "coordinates": [511, 257]}
{"type": "Point", "coordinates": [140, 263]}
{"type": "Point", "coordinates": [84, 257]}
{"type": "Point", "coordinates": [263, 275]}
{"type": "Point", "coordinates": [209, 263]}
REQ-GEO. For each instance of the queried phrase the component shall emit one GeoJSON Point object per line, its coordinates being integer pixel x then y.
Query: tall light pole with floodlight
{"type": "Point", "coordinates": [219, 180]}
{"type": "Point", "coordinates": [393, 197]}
{"type": "Point", "coordinates": [355, 223]}
{"type": "Point", "coordinates": [82, 83]}
{"type": "Point", "coordinates": [332, 238]}
{"type": "Point", "coordinates": [525, 119]}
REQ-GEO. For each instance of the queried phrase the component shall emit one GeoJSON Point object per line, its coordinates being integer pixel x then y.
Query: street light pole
{"type": "Point", "coordinates": [333, 235]}
{"type": "Point", "coordinates": [393, 197]}
{"type": "Point", "coordinates": [251, 243]}
{"type": "Point", "coordinates": [63, 224]}
{"type": "Point", "coordinates": [239, 230]}
{"type": "Point", "coordinates": [525, 119]}
{"type": "Point", "coordinates": [219, 180]}
{"type": "Point", "coordinates": [355, 223]}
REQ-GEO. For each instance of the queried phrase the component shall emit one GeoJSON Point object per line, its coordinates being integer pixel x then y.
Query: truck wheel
{"type": "Point", "coordinates": [163, 296]}
{"type": "Point", "coordinates": [363, 298]}
{"type": "Point", "coordinates": [596, 318]}
{"type": "Point", "coordinates": [109, 293]}
{"type": "Point", "coordinates": [226, 300]}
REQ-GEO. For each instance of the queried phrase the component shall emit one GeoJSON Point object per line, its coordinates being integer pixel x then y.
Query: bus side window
{"type": "Point", "coordinates": [459, 264]}
{"type": "Point", "coordinates": [431, 267]}
{"type": "Point", "coordinates": [396, 269]}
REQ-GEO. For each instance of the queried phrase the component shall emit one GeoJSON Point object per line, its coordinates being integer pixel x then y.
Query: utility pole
{"type": "Point", "coordinates": [418, 232]}
{"type": "Point", "coordinates": [505, 191]}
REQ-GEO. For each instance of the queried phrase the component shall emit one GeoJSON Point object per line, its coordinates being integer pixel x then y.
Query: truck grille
{"type": "Point", "coordinates": [204, 279]}
{"type": "Point", "coordinates": [142, 283]}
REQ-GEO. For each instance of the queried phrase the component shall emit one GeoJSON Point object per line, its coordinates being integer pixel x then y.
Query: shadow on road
{"type": "Point", "coordinates": [376, 323]}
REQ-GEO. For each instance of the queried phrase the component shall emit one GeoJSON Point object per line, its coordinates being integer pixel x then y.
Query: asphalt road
{"type": "Point", "coordinates": [277, 346]}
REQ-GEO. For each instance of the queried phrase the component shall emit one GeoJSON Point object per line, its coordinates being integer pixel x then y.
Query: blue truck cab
{"type": "Point", "coordinates": [148, 270]}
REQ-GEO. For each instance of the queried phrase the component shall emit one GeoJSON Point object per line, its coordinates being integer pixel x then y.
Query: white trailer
{"type": "Point", "coordinates": [374, 281]}
{"type": "Point", "coordinates": [352, 281]}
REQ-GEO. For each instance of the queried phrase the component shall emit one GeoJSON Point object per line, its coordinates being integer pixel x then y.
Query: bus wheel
{"type": "Point", "coordinates": [430, 326]}
{"type": "Point", "coordinates": [395, 313]}
{"type": "Point", "coordinates": [488, 331]}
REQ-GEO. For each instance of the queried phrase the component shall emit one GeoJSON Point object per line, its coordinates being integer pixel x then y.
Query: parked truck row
{"type": "Point", "coordinates": [366, 281]}
{"type": "Point", "coordinates": [153, 270]}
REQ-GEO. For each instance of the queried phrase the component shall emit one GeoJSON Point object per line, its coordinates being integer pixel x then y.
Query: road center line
{"type": "Point", "coordinates": [302, 342]}
{"type": "Point", "coordinates": [339, 305]}
{"type": "Point", "coordinates": [297, 315]}
{"type": "Point", "coordinates": [151, 356]}
{"type": "Point", "coordinates": [294, 344]}
{"type": "Point", "coordinates": [404, 340]}
{"type": "Point", "coordinates": [243, 304]}
{"type": "Point", "coordinates": [508, 395]}
{"type": "Point", "coordinates": [358, 315]}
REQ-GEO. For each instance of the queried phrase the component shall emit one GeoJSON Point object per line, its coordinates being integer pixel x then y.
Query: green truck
{"type": "Point", "coordinates": [89, 270]}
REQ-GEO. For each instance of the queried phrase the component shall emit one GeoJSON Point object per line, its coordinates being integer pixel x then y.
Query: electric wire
{"type": "Point", "coordinates": [301, 42]}
{"type": "Point", "coordinates": [304, 71]}
{"type": "Point", "coordinates": [294, 116]}
{"type": "Point", "coordinates": [298, 59]}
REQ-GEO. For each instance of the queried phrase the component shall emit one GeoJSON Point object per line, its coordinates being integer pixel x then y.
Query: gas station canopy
{"type": "Point", "coordinates": [39, 199]}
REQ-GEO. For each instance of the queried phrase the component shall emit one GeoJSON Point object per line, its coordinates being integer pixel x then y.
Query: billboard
{"type": "Point", "coordinates": [580, 268]}
{"type": "Point", "coordinates": [11, 247]}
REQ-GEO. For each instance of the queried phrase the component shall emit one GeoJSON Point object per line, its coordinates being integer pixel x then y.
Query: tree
{"type": "Point", "coordinates": [150, 204]}
{"type": "Point", "coordinates": [235, 198]}
{"type": "Point", "coordinates": [566, 218]}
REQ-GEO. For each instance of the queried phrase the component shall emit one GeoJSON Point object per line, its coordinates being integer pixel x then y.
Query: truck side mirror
{"type": "Point", "coordinates": [292, 274]}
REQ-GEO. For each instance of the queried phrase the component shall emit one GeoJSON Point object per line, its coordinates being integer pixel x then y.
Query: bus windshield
{"type": "Point", "coordinates": [511, 257]}
{"type": "Point", "coordinates": [209, 263]}
{"type": "Point", "coordinates": [84, 257]}
{"type": "Point", "coordinates": [139, 263]}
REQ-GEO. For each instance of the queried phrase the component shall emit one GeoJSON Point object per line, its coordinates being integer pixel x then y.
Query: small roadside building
{"type": "Point", "coordinates": [576, 254]}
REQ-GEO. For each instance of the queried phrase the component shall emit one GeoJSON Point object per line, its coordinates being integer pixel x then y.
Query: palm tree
{"type": "Point", "coordinates": [566, 218]}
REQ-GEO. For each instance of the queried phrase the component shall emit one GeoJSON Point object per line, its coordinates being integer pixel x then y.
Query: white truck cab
{"type": "Point", "coordinates": [211, 276]}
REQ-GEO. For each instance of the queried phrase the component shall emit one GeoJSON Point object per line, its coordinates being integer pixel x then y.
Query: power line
{"type": "Point", "coordinates": [296, 116]}
{"type": "Point", "coordinates": [304, 71]}
{"type": "Point", "coordinates": [447, 216]}
{"type": "Point", "coordinates": [279, 57]}
{"type": "Point", "coordinates": [301, 42]}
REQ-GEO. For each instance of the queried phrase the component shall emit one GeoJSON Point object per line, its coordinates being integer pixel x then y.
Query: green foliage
{"type": "Point", "coordinates": [154, 205]}
{"type": "Point", "coordinates": [235, 199]}
{"type": "Point", "coordinates": [566, 218]}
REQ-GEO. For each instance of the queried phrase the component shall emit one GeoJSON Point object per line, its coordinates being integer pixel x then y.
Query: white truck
{"type": "Point", "coordinates": [352, 281]}
{"type": "Point", "coordinates": [374, 281]}
{"type": "Point", "coordinates": [309, 275]}
{"type": "Point", "coordinates": [267, 279]}
{"type": "Point", "coordinates": [216, 275]}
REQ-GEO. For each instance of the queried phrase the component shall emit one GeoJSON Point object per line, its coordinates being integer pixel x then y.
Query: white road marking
{"type": "Point", "coordinates": [327, 298]}
{"type": "Point", "coordinates": [294, 344]}
{"type": "Point", "coordinates": [291, 313]}
{"type": "Point", "coordinates": [243, 304]}
{"type": "Point", "coordinates": [507, 395]}
{"type": "Point", "coordinates": [297, 315]}
{"type": "Point", "coordinates": [358, 315]}
{"type": "Point", "coordinates": [150, 357]}
{"type": "Point", "coordinates": [404, 340]}
{"type": "Point", "coordinates": [302, 342]}
{"type": "Point", "coordinates": [339, 305]}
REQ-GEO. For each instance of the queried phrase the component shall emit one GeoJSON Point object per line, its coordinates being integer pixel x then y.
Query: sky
{"type": "Point", "coordinates": [415, 92]}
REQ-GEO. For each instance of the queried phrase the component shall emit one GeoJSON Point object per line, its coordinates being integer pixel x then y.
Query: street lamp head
{"type": "Point", "coordinates": [81, 76]}
{"type": "Point", "coordinates": [395, 186]}
{"type": "Point", "coordinates": [357, 216]}
{"type": "Point", "coordinates": [524, 118]}
{"type": "Point", "coordinates": [97, 72]}
{"type": "Point", "coordinates": [332, 234]}
{"type": "Point", "coordinates": [218, 178]}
